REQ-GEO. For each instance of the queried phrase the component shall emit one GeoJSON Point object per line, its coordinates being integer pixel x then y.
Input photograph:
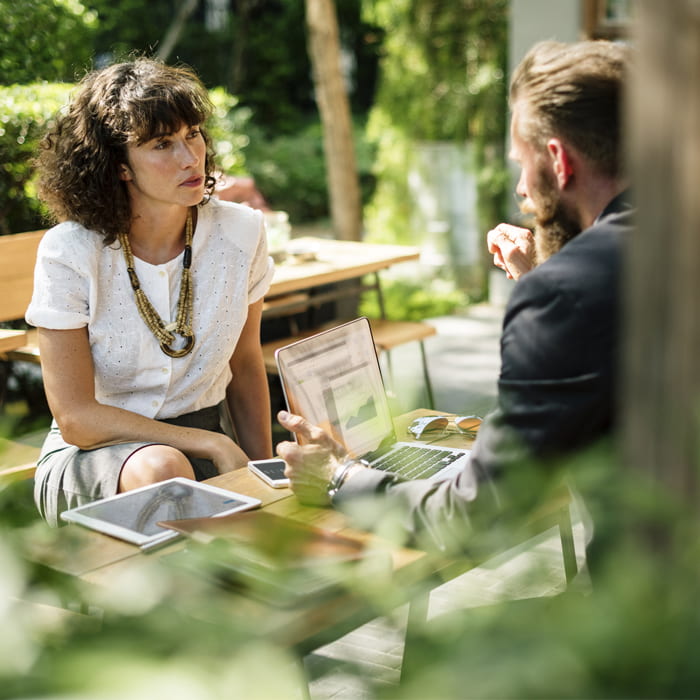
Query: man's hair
{"type": "Point", "coordinates": [81, 155]}
{"type": "Point", "coordinates": [574, 91]}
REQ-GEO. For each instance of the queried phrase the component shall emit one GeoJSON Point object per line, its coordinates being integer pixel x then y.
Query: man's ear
{"type": "Point", "coordinates": [125, 172]}
{"type": "Point", "coordinates": [562, 163]}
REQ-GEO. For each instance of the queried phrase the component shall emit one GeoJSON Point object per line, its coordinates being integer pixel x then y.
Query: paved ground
{"type": "Point", "coordinates": [463, 362]}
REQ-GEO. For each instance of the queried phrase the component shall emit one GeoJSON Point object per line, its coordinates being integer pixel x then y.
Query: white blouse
{"type": "Point", "coordinates": [78, 281]}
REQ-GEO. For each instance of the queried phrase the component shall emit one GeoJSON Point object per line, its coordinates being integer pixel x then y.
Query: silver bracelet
{"type": "Point", "coordinates": [341, 474]}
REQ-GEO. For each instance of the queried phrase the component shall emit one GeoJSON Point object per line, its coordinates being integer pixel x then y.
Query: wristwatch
{"type": "Point", "coordinates": [341, 474]}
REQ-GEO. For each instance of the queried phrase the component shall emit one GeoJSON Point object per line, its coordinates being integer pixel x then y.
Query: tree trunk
{"type": "Point", "coordinates": [187, 7]}
{"type": "Point", "coordinates": [241, 29]}
{"type": "Point", "coordinates": [661, 390]}
{"type": "Point", "coordinates": [334, 107]}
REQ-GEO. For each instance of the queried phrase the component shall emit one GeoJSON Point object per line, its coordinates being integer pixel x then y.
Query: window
{"type": "Point", "coordinates": [607, 19]}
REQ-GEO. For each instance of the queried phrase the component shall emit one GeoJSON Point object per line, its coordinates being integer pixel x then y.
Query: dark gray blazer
{"type": "Point", "coordinates": [556, 394]}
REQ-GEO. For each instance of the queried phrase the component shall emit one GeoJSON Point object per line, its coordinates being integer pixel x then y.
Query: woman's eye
{"type": "Point", "coordinates": [195, 132]}
{"type": "Point", "coordinates": [162, 145]}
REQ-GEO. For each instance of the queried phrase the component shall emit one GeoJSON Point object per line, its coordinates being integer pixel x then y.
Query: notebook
{"type": "Point", "coordinates": [334, 380]}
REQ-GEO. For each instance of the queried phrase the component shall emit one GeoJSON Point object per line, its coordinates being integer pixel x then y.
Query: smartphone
{"type": "Point", "coordinates": [271, 471]}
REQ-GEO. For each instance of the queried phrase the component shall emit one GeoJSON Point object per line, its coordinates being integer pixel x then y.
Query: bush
{"type": "Point", "coordinates": [25, 111]}
{"type": "Point", "coordinates": [290, 170]}
{"type": "Point", "coordinates": [227, 128]}
{"type": "Point", "coordinates": [411, 300]}
{"type": "Point", "coordinates": [44, 40]}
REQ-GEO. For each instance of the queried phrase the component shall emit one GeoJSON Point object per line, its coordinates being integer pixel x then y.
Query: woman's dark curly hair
{"type": "Point", "coordinates": [80, 157]}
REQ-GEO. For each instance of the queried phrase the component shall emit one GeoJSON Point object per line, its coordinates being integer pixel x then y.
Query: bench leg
{"type": "Point", "coordinates": [426, 376]}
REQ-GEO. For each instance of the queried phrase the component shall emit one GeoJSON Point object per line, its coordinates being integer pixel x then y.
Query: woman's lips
{"type": "Point", "coordinates": [192, 182]}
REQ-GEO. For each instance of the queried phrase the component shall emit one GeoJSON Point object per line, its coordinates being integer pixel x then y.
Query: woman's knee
{"type": "Point", "coordinates": [152, 464]}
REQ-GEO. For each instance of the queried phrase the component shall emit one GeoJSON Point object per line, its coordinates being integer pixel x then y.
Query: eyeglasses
{"type": "Point", "coordinates": [464, 425]}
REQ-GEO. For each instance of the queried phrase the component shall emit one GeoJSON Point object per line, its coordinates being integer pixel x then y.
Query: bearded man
{"type": "Point", "coordinates": [557, 385]}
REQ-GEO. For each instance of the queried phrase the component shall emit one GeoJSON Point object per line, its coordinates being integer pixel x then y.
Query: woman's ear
{"type": "Point", "coordinates": [125, 172]}
{"type": "Point", "coordinates": [561, 162]}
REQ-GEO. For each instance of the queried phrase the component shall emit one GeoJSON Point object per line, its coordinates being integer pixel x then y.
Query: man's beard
{"type": "Point", "coordinates": [554, 223]}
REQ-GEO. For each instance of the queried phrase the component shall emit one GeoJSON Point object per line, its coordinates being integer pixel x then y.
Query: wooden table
{"type": "Point", "coordinates": [97, 559]}
{"type": "Point", "coordinates": [406, 575]}
{"type": "Point", "coordinates": [313, 264]}
{"type": "Point", "coordinates": [322, 261]}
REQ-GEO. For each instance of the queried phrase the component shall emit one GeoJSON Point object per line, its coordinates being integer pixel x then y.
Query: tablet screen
{"type": "Point", "coordinates": [133, 516]}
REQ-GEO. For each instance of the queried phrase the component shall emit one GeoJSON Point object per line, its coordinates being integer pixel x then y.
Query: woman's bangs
{"type": "Point", "coordinates": [168, 114]}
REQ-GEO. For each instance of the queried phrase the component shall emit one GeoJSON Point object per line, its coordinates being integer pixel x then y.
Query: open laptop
{"type": "Point", "coordinates": [333, 379]}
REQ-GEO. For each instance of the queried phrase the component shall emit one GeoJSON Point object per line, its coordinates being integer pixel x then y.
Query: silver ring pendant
{"type": "Point", "coordinates": [182, 351]}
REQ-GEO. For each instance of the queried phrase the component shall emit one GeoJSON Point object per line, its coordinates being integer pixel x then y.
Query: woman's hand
{"type": "Point", "coordinates": [224, 452]}
{"type": "Point", "coordinates": [513, 249]}
{"type": "Point", "coordinates": [310, 467]}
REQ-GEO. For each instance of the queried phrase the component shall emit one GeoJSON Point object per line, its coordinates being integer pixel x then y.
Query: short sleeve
{"type": "Point", "coordinates": [262, 267]}
{"type": "Point", "coordinates": [61, 285]}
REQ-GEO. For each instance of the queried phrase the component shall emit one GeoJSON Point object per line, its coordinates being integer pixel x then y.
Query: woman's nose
{"type": "Point", "coordinates": [188, 155]}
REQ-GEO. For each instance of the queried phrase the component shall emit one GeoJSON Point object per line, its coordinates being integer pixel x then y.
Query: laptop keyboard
{"type": "Point", "coordinates": [415, 462]}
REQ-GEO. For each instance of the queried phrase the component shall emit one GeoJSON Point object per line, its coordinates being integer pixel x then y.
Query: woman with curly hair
{"type": "Point", "coordinates": [147, 294]}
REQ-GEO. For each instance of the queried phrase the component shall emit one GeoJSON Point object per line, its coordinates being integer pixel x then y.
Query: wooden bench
{"type": "Point", "coordinates": [17, 258]}
{"type": "Point", "coordinates": [18, 457]}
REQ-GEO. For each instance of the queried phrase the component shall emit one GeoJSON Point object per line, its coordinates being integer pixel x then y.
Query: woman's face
{"type": "Point", "coordinates": [167, 170]}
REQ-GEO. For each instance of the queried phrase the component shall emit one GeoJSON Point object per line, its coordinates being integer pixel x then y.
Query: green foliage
{"type": "Point", "coordinates": [443, 72]}
{"type": "Point", "coordinates": [442, 78]}
{"type": "Point", "coordinates": [290, 170]}
{"type": "Point", "coordinates": [44, 40]}
{"type": "Point", "coordinates": [634, 634]}
{"type": "Point", "coordinates": [129, 26]}
{"type": "Point", "coordinates": [25, 111]}
{"type": "Point", "coordinates": [414, 300]}
{"type": "Point", "coordinates": [227, 128]}
{"type": "Point", "coordinates": [151, 631]}
{"type": "Point", "coordinates": [259, 53]}
{"type": "Point", "coordinates": [154, 629]}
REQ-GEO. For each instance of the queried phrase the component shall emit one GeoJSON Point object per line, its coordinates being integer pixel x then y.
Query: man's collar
{"type": "Point", "coordinates": [618, 204]}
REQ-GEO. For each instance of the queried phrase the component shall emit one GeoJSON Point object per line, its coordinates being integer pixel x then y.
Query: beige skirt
{"type": "Point", "coordinates": [67, 476]}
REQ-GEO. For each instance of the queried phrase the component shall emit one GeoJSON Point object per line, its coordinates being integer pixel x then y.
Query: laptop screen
{"type": "Point", "coordinates": [333, 379]}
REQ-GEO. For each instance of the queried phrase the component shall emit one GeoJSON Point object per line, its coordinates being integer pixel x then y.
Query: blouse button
{"type": "Point", "coordinates": [165, 370]}
{"type": "Point", "coordinates": [154, 404]}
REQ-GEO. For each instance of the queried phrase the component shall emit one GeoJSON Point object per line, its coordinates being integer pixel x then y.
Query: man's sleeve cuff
{"type": "Point", "coordinates": [364, 482]}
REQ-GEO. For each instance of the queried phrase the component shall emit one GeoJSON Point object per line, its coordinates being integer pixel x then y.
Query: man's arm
{"type": "Point", "coordinates": [555, 394]}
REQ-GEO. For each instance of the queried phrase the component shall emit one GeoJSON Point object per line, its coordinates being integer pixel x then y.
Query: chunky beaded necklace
{"type": "Point", "coordinates": [182, 326]}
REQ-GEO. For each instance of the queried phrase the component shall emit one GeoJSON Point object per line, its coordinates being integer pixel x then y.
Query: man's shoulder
{"type": "Point", "coordinates": [578, 283]}
{"type": "Point", "coordinates": [595, 254]}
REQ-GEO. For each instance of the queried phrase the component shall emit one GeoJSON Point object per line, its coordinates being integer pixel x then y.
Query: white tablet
{"type": "Point", "coordinates": [134, 515]}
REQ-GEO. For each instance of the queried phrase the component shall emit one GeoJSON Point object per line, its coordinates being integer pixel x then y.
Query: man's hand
{"type": "Point", "coordinates": [513, 249]}
{"type": "Point", "coordinates": [310, 466]}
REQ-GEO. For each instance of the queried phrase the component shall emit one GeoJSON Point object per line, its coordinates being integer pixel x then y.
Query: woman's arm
{"type": "Point", "coordinates": [248, 393]}
{"type": "Point", "coordinates": [69, 382]}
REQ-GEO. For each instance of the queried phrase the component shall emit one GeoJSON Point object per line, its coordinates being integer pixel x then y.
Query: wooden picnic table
{"type": "Point", "coordinates": [313, 262]}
